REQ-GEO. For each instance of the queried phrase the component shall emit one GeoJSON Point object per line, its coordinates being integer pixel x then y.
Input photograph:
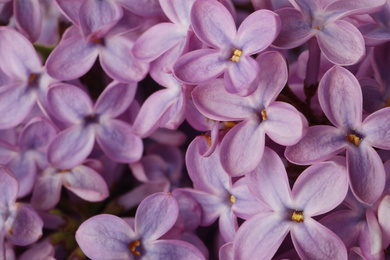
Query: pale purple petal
{"type": "Point", "coordinates": [72, 58]}
{"type": "Point", "coordinates": [71, 147]}
{"type": "Point", "coordinates": [70, 9]}
{"type": "Point", "coordinates": [313, 240]}
{"type": "Point", "coordinates": [227, 224]}
{"type": "Point", "coordinates": [9, 186]}
{"type": "Point", "coordinates": [155, 216]}
{"type": "Point", "coordinates": [115, 99]}
{"type": "Point", "coordinates": [268, 182]}
{"type": "Point", "coordinates": [47, 190]}
{"type": "Point", "coordinates": [118, 61]}
{"type": "Point", "coordinates": [341, 43]}
{"type": "Point", "coordinates": [175, 249]}
{"type": "Point", "coordinates": [260, 236]}
{"type": "Point", "coordinates": [177, 11]}
{"type": "Point", "coordinates": [340, 9]}
{"type": "Point", "coordinates": [212, 100]}
{"type": "Point", "coordinates": [366, 172]}
{"type": "Point", "coordinates": [240, 75]}
{"type": "Point", "coordinates": [117, 141]}
{"type": "Point", "coordinates": [213, 24]}
{"type": "Point", "coordinates": [41, 251]}
{"type": "Point", "coordinates": [370, 239]}
{"type": "Point", "coordinates": [23, 226]}
{"type": "Point", "coordinates": [37, 134]}
{"type": "Point", "coordinates": [98, 17]}
{"type": "Point", "coordinates": [105, 237]}
{"type": "Point", "coordinates": [341, 98]}
{"type": "Point", "coordinates": [374, 34]}
{"type": "Point", "coordinates": [25, 169]}
{"type": "Point", "coordinates": [376, 129]}
{"type": "Point", "coordinates": [28, 16]}
{"type": "Point", "coordinates": [319, 144]}
{"type": "Point", "coordinates": [226, 251]}
{"type": "Point", "coordinates": [242, 147]}
{"type": "Point", "coordinates": [294, 31]}
{"type": "Point", "coordinates": [320, 188]}
{"type": "Point", "coordinates": [86, 183]}
{"type": "Point", "coordinates": [147, 8]}
{"type": "Point", "coordinates": [157, 40]}
{"type": "Point", "coordinates": [69, 103]}
{"type": "Point", "coordinates": [200, 66]}
{"type": "Point", "coordinates": [284, 124]}
{"type": "Point", "coordinates": [383, 218]}
{"type": "Point", "coordinates": [258, 31]}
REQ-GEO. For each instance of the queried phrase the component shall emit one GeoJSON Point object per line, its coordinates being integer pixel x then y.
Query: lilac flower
{"type": "Point", "coordinates": [339, 40]}
{"type": "Point", "coordinates": [19, 223]}
{"type": "Point", "coordinates": [109, 237]}
{"type": "Point", "coordinates": [72, 146]}
{"type": "Point", "coordinates": [242, 147]}
{"type": "Point", "coordinates": [231, 49]}
{"type": "Point", "coordinates": [340, 97]}
{"type": "Point", "coordinates": [318, 190]}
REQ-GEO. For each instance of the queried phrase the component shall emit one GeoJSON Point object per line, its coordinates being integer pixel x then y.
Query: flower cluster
{"type": "Point", "coordinates": [162, 117]}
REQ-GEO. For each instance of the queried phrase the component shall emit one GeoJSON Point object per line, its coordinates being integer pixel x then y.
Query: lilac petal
{"type": "Point", "coordinates": [262, 22]}
{"type": "Point", "coordinates": [71, 147]}
{"type": "Point", "coordinates": [21, 57]}
{"type": "Point", "coordinates": [260, 236]}
{"type": "Point", "coordinates": [71, 59]}
{"type": "Point", "coordinates": [70, 9]}
{"type": "Point", "coordinates": [37, 134]}
{"type": "Point", "coordinates": [319, 144]}
{"type": "Point", "coordinates": [155, 216]}
{"type": "Point", "coordinates": [320, 188]}
{"type": "Point", "coordinates": [206, 173]}
{"type": "Point", "coordinates": [271, 79]}
{"type": "Point", "coordinates": [370, 239]}
{"type": "Point", "coordinates": [226, 251]}
{"type": "Point", "coordinates": [29, 17]}
{"type": "Point", "coordinates": [313, 240]}
{"type": "Point", "coordinates": [177, 11]}
{"type": "Point", "coordinates": [115, 99]}
{"type": "Point", "coordinates": [118, 61]}
{"type": "Point", "coordinates": [213, 24]}
{"type": "Point", "coordinates": [212, 100]}
{"type": "Point", "coordinates": [41, 251]}
{"type": "Point", "coordinates": [374, 35]}
{"type": "Point", "coordinates": [152, 111]}
{"type": "Point", "coordinates": [24, 167]}
{"type": "Point", "coordinates": [341, 98]}
{"type": "Point", "coordinates": [175, 249]}
{"type": "Point", "coordinates": [294, 31]}
{"type": "Point", "coordinates": [117, 141]}
{"type": "Point", "coordinates": [263, 180]}
{"type": "Point", "coordinates": [16, 103]}
{"type": "Point", "coordinates": [98, 17]}
{"type": "Point", "coordinates": [340, 9]}
{"type": "Point", "coordinates": [47, 190]}
{"type": "Point", "coordinates": [157, 40]}
{"type": "Point", "coordinates": [9, 186]}
{"type": "Point", "coordinates": [341, 43]}
{"type": "Point", "coordinates": [200, 66]}
{"type": "Point", "coordinates": [24, 226]}
{"type": "Point", "coordinates": [383, 218]}
{"type": "Point", "coordinates": [69, 103]}
{"type": "Point", "coordinates": [366, 172]}
{"type": "Point", "coordinates": [86, 183]}
{"type": "Point", "coordinates": [240, 76]}
{"type": "Point", "coordinates": [242, 147]}
{"type": "Point", "coordinates": [105, 237]}
{"type": "Point", "coordinates": [147, 8]}
{"type": "Point", "coordinates": [227, 224]}
{"type": "Point", "coordinates": [373, 98]}
{"type": "Point", "coordinates": [375, 129]}
{"type": "Point", "coordinates": [284, 124]}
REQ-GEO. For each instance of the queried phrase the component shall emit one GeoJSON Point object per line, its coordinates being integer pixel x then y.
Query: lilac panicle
{"type": "Point", "coordinates": [231, 49]}
{"type": "Point", "coordinates": [109, 237]}
{"type": "Point", "coordinates": [318, 190]}
{"type": "Point", "coordinates": [340, 97]}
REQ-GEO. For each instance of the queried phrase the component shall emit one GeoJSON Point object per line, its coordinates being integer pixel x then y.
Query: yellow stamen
{"type": "Point", "coordinates": [236, 55]}
{"type": "Point", "coordinates": [264, 114]}
{"type": "Point", "coordinates": [132, 246]}
{"type": "Point", "coordinates": [388, 102]}
{"type": "Point", "coordinates": [353, 139]}
{"type": "Point", "coordinates": [97, 41]}
{"type": "Point", "coordinates": [32, 77]}
{"type": "Point", "coordinates": [297, 216]}
{"type": "Point", "coordinates": [230, 124]}
{"type": "Point", "coordinates": [208, 138]}
{"type": "Point", "coordinates": [317, 27]}
{"type": "Point", "coordinates": [232, 199]}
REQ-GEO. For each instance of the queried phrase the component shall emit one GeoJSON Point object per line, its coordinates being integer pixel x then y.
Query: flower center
{"type": "Point", "coordinates": [264, 114]}
{"type": "Point", "coordinates": [354, 138]}
{"type": "Point", "coordinates": [32, 77]}
{"type": "Point", "coordinates": [236, 55]}
{"type": "Point", "coordinates": [91, 119]}
{"type": "Point", "coordinates": [133, 246]}
{"type": "Point", "coordinates": [297, 216]}
{"type": "Point", "coordinates": [232, 199]}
